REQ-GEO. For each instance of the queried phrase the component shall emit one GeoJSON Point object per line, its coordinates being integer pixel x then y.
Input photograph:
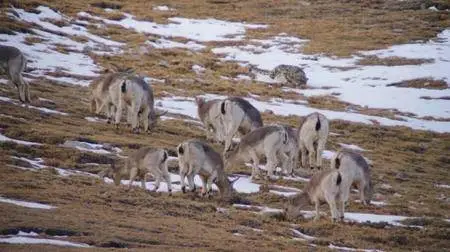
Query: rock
{"type": "Point", "coordinates": [401, 176]}
{"type": "Point", "coordinates": [268, 111]}
{"type": "Point", "coordinates": [385, 186]}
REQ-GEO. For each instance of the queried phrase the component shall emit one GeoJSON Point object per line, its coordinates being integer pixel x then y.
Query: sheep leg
{"type": "Point", "coordinates": [133, 174]}
{"type": "Point", "coordinates": [165, 174]}
{"type": "Point", "coordinates": [271, 163]}
{"type": "Point", "coordinates": [144, 179]}
{"type": "Point", "coordinates": [204, 186]}
{"type": "Point", "coordinates": [255, 166]}
{"type": "Point", "coordinates": [182, 179]}
{"type": "Point", "coordinates": [190, 178]}
{"type": "Point", "coordinates": [317, 205]}
{"type": "Point", "coordinates": [320, 148]}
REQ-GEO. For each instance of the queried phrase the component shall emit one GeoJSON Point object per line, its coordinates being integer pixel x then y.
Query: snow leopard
{"type": "Point", "coordinates": [291, 75]}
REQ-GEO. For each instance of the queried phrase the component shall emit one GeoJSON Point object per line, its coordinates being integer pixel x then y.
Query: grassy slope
{"type": "Point", "coordinates": [103, 215]}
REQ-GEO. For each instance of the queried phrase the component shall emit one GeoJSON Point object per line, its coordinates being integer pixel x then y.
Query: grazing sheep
{"type": "Point", "coordinates": [238, 115]}
{"type": "Point", "coordinates": [265, 141]}
{"type": "Point", "coordinates": [312, 137]}
{"type": "Point", "coordinates": [210, 116]}
{"type": "Point", "coordinates": [354, 169]}
{"type": "Point", "coordinates": [289, 154]}
{"type": "Point", "coordinates": [137, 95]}
{"type": "Point", "coordinates": [14, 63]}
{"type": "Point", "coordinates": [324, 186]}
{"type": "Point", "coordinates": [99, 89]}
{"type": "Point", "coordinates": [143, 161]}
{"type": "Point", "coordinates": [198, 158]}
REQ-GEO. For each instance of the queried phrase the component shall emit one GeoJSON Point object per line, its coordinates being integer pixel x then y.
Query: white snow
{"type": "Point", "coordinates": [94, 119]}
{"type": "Point", "coordinates": [302, 235]}
{"type": "Point", "coordinates": [44, 56]}
{"type": "Point", "coordinates": [36, 163]}
{"type": "Point", "coordinates": [32, 240]}
{"type": "Point", "coordinates": [4, 138]}
{"type": "Point", "coordinates": [374, 202]}
{"type": "Point", "coordinates": [261, 209]}
{"type": "Point", "coordinates": [187, 106]}
{"type": "Point", "coordinates": [163, 43]}
{"type": "Point", "coordinates": [331, 246]}
{"type": "Point", "coordinates": [201, 30]}
{"type": "Point", "coordinates": [242, 185]}
{"type": "Point", "coordinates": [163, 8]}
{"type": "Point", "coordinates": [326, 154]}
{"type": "Point", "coordinates": [375, 218]}
{"type": "Point", "coordinates": [362, 85]}
{"type": "Point", "coordinates": [25, 203]}
{"type": "Point", "coordinates": [351, 147]}
{"type": "Point", "coordinates": [198, 69]}
{"type": "Point", "coordinates": [21, 233]}
{"type": "Point", "coordinates": [443, 186]}
{"type": "Point", "coordinates": [90, 147]}
{"type": "Point", "coordinates": [45, 110]}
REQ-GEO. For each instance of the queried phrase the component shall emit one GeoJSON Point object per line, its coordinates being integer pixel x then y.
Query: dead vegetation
{"type": "Point", "coordinates": [90, 211]}
{"type": "Point", "coordinates": [391, 61]}
{"type": "Point", "coordinates": [427, 83]}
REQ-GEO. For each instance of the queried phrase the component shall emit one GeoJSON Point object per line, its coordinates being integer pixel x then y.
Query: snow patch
{"type": "Point", "coordinates": [25, 203]}
{"type": "Point", "coordinates": [362, 85]}
{"type": "Point", "coordinates": [202, 30]}
{"type": "Point", "coordinates": [32, 240]}
{"type": "Point", "coordinates": [162, 8]}
{"type": "Point", "coordinates": [4, 138]}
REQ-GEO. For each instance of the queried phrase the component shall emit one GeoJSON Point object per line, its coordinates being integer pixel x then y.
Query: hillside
{"type": "Point", "coordinates": [377, 69]}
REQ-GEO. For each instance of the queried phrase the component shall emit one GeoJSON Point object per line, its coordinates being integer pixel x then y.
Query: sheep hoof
{"type": "Point", "coordinates": [183, 189]}
{"type": "Point", "coordinates": [135, 131]}
{"type": "Point", "coordinates": [170, 192]}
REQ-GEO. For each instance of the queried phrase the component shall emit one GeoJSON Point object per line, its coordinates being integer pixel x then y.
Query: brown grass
{"type": "Point", "coordinates": [103, 215]}
{"type": "Point", "coordinates": [392, 61]}
{"type": "Point", "coordinates": [422, 83]}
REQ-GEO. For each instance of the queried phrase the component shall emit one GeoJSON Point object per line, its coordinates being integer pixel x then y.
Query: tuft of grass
{"type": "Point", "coordinates": [427, 83]}
{"type": "Point", "coordinates": [391, 61]}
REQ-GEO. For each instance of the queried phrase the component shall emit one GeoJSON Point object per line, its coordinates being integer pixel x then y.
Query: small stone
{"type": "Point", "coordinates": [401, 176]}
{"type": "Point", "coordinates": [268, 111]}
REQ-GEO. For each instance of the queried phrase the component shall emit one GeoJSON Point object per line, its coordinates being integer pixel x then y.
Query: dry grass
{"type": "Point", "coordinates": [85, 205]}
{"type": "Point", "coordinates": [392, 61]}
{"type": "Point", "coordinates": [334, 27]}
{"type": "Point", "coordinates": [103, 215]}
{"type": "Point", "coordinates": [422, 83]}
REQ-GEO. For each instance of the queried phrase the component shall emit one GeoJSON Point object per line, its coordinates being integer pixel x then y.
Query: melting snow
{"type": "Point", "coordinates": [45, 110]}
{"type": "Point", "coordinates": [165, 43]}
{"type": "Point", "coordinates": [4, 138]}
{"type": "Point", "coordinates": [25, 203]}
{"type": "Point", "coordinates": [21, 233]}
{"type": "Point", "coordinates": [331, 246]}
{"type": "Point", "coordinates": [302, 235]}
{"type": "Point", "coordinates": [162, 8]}
{"type": "Point", "coordinates": [44, 56]}
{"type": "Point", "coordinates": [31, 240]}
{"type": "Point", "coordinates": [363, 85]}
{"type": "Point", "coordinates": [202, 30]}
{"type": "Point", "coordinates": [96, 148]}
{"type": "Point", "coordinates": [187, 106]}
{"type": "Point", "coordinates": [351, 147]}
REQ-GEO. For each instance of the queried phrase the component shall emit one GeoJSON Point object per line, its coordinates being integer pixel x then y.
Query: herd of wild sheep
{"type": "Point", "coordinates": [281, 145]}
